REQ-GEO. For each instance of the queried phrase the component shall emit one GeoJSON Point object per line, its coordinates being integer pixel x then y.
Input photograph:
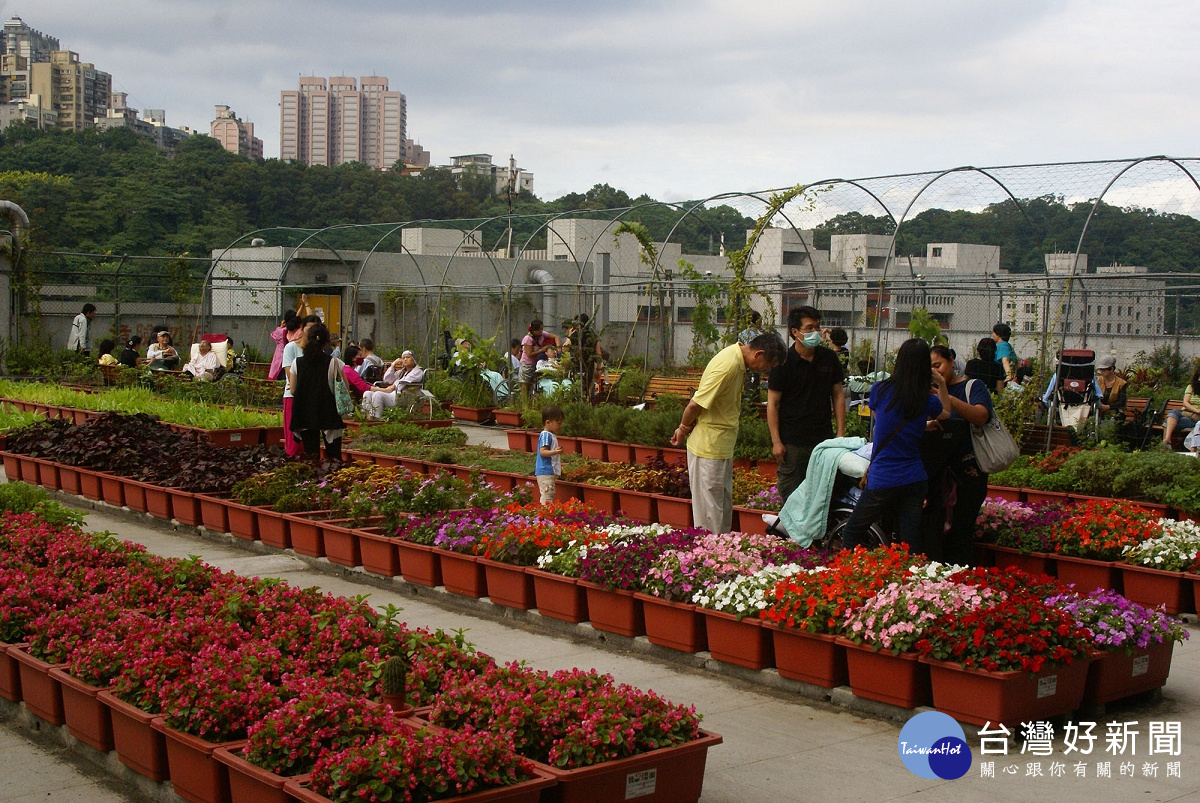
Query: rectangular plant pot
{"type": "Point", "coordinates": [135, 496]}
{"type": "Point", "coordinates": [419, 564]}
{"type": "Point", "coordinates": [667, 775]}
{"type": "Point", "coordinates": [814, 658]}
{"type": "Point", "coordinates": [645, 454]}
{"type": "Point", "coordinates": [463, 574]}
{"type": "Point", "coordinates": [614, 610]}
{"type": "Point", "coordinates": [895, 678]}
{"type": "Point", "coordinates": [620, 452]}
{"type": "Point", "coordinates": [557, 596]}
{"type": "Point", "coordinates": [88, 719]}
{"type": "Point", "coordinates": [341, 542]}
{"type": "Point", "coordinates": [673, 511]}
{"type": "Point", "coordinates": [195, 775]}
{"type": "Point", "coordinates": [41, 693]}
{"type": "Point", "coordinates": [48, 475]}
{"type": "Point", "coordinates": [306, 532]}
{"type": "Point", "coordinates": [593, 448]}
{"type": "Point", "coordinates": [185, 508]}
{"type": "Point", "coordinates": [744, 642]}
{"type": "Point", "coordinates": [677, 625]}
{"type": "Point", "coordinates": [603, 499]}
{"type": "Point", "coordinates": [749, 520]}
{"type": "Point", "coordinates": [1006, 493]}
{"type": "Point", "coordinates": [979, 697]}
{"type": "Point", "coordinates": [68, 478]}
{"type": "Point", "coordinates": [508, 585]}
{"type": "Point", "coordinates": [28, 468]}
{"type": "Point", "coordinates": [10, 674]}
{"type": "Point", "coordinates": [1087, 574]}
{"type": "Point", "coordinates": [139, 746]}
{"type": "Point", "coordinates": [1034, 563]}
{"type": "Point", "coordinates": [243, 521]}
{"type": "Point", "coordinates": [379, 553]}
{"type": "Point", "coordinates": [112, 489]}
{"type": "Point", "coordinates": [637, 505]}
{"type": "Point", "coordinates": [214, 512]}
{"type": "Point", "coordinates": [89, 482]}
{"type": "Point", "coordinates": [1154, 587]}
{"type": "Point", "coordinates": [158, 501]}
{"type": "Point", "coordinates": [273, 529]}
{"type": "Point", "coordinates": [250, 783]}
{"type": "Point", "coordinates": [538, 788]}
{"type": "Point", "coordinates": [1116, 674]}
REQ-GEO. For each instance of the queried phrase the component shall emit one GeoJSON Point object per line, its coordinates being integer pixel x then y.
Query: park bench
{"type": "Point", "coordinates": [1142, 414]}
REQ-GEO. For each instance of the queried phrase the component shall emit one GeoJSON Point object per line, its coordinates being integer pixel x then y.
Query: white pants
{"type": "Point", "coordinates": [375, 400]}
{"type": "Point", "coordinates": [711, 482]}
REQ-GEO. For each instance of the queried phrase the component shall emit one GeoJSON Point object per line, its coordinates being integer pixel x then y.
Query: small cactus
{"type": "Point", "coordinates": [392, 678]}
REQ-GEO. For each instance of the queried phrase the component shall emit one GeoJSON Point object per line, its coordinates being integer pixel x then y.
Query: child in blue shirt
{"type": "Point", "coordinates": [548, 464]}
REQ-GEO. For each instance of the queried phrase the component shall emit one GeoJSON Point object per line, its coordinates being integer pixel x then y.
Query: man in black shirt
{"type": "Point", "coordinates": [803, 394]}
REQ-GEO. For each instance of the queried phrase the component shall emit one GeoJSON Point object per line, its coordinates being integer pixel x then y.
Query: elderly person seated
{"type": "Point", "coordinates": [206, 365]}
{"type": "Point", "coordinates": [403, 374]}
{"type": "Point", "coordinates": [161, 355]}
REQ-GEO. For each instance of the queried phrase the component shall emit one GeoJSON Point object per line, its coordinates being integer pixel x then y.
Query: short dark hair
{"type": "Point", "coordinates": [1004, 330]}
{"type": "Point", "coordinates": [552, 413]}
{"type": "Point", "coordinates": [293, 323]}
{"type": "Point", "coordinates": [986, 348]}
{"type": "Point", "coordinates": [838, 336]}
{"type": "Point", "coordinates": [536, 323]}
{"type": "Point", "coordinates": [366, 344]}
{"type": "Point", "coordinates": [135, 341]}
{"type": "Point", "coordinates": [106, 346]}
{"type": "Point", "coordinates": [755, 317]}
{"type": "Point", "coordinates": [349, 353]}
{"type": "Point", "coordinates": [800, 313]}
{"type": "Point", "coordinates": [313, 319]}
{"type": "Point", "coordinates": [771, 346]}
{"type": "Point", "coordinates": [583, 318]}
{"type": "Point", "coordinates": [515, 343]}
{"type": "Point", "coordinates": [88, 308]}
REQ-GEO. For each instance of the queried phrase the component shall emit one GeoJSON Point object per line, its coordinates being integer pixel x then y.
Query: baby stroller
{"type": "Point", "coordinates": [1073, 395]}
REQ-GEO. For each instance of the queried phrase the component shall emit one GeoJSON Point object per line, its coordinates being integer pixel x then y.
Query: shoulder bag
{"type": "Point", "coordinates": [995, 449]}
{"type": "Point", "coordinates": [341, 393]}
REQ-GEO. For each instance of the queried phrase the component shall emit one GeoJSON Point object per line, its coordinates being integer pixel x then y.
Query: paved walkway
{"type": "Point", "coordinates": [779, 745]}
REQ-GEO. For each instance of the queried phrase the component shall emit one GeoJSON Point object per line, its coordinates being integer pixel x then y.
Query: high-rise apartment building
{"type": "Point", "coordinates": [234, 135]}
{"type": "Point", "coordinates": [78, 91]}
{"type": "Point", "coordinates": [339, 121]}
{"type": "Point", "coordinates": [21, 46]}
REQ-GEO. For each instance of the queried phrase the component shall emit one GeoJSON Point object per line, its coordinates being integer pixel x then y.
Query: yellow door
{"type": "Point", "coordinates": [329, 309]}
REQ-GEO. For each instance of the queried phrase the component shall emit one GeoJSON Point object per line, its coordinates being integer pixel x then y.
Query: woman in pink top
{"type": "Point", "coordinates": [358, 386]}
{"type": "Point", "coordinates": [280, 336]}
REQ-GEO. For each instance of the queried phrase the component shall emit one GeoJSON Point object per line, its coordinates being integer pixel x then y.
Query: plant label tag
{"type": "Point", "coordinates": [1141, 665]}
{"type": "Point", "coordinates": [234, 437]}
{"type": "Point", "coordinates": [641, 783]}
{"type": "Point", "coordinates": [1047, 686]}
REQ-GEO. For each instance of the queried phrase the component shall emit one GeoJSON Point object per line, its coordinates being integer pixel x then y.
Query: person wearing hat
{"type": "Point", "coordinates": [402, 375]}
{"type": "Point", "coordinates": [1112, 387]}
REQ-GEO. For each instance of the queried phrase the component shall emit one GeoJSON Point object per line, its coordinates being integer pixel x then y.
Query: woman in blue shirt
{"type": "Point", "coordinates": [896, 480]}
{"type": "Point", "coordinates": [971, 402]}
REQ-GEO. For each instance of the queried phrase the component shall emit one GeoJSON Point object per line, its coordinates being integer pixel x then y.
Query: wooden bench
{"type": "Point", "coordinates": [1136, 411]}
{"type": "Point", "coordinates": [1033, 438]}
{"type": "Point", "coordinates": [681, 386]}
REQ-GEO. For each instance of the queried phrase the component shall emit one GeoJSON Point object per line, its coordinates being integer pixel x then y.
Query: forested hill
{"type": "Point", "coordinates": [114, 192]}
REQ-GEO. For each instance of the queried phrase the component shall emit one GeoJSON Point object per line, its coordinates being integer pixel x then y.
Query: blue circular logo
{"type": "Point", "coordinates": [932, 745]}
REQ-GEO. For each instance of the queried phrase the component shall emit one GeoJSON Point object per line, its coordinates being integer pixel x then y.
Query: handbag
{"type": "Point", "coordinates": [995, 449]}
{"type": "Point", "coordinates": [341, 393]}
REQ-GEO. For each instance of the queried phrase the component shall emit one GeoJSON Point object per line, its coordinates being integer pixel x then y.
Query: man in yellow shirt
{"type": "Point", "coordinates": [711, 419]}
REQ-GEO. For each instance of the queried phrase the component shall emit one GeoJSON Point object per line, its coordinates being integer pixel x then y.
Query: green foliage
{"type": "Point", "coordinates": [35, 359]}
{"type": "Point", "coordinates": [705, 332]}
{"type": "Point", "coordinates": [18, 497]}
{"type": "Point", "coordinates": [445, 436]}
{"type": "Point", "coordinates": [632, 384]}
{"type": "Point", "coordinates": [926, 327]}
{"type": "Point", "coordinates": [754, 439]}
{"type": "Point", "coordinates": [579, 420]}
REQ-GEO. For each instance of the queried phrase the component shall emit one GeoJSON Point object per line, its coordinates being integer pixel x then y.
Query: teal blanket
{"type": "Point", "coordinates": [806, 511]}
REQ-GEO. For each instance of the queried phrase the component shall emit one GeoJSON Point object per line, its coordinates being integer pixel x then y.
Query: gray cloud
{"type": "Point", "coordinates": [681, 99]}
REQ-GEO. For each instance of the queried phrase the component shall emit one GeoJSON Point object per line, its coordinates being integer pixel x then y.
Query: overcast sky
{"type": "Point", "coordinates": [681, 98]}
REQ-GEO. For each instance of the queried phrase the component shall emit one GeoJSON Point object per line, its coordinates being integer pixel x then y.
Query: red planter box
{"type": "Point", "coordinates": [379, 554]}
{"type": "Point", "coordinates": [68, 478]}
{"type": "Point", "coordinates": [508, 585]}
{"type": "Point", "coordinates": [135, 496]}
{"type": "Point", "coordinates": [139, 746]}
{"type": "Point", "coordinates": [196, 776]}
{"type": "Point", "coordinates": [48, 476]}
{"type": "Point", "coordinates": [341, 542]}
{"type": "Point", "coordinates": [749, 520]}
{"type": "Point", "coordinates": [10, 674]}
{"type": "Point", "coordinates": [88, 719]}
{"type": "Point", "coordinates": [242, 520]}
{"type": "Point", "coordinates": [645, 454]}
{"type": "Point", "coordinates": [1006, 493]}
{"type": "Point", "coordinates": [667, 775]}
{"type": "Point", "coordinates": [1034, 563]}
{"type": "Point", "coordinates": [250, 783]}
{"type": "Point", "coordinates": [620, 452]}
{"type": "Point", "coordinates": [1116, 674]}
{"type": "Point", "coordinates": [979, 697]}
{"type": "Point", "coordinates": [273, 528]}
{"type": "Point", "coordinates": [41, 693]}
{"type": "Point", "coordinates": [540, 787]}
{"type": "Point", "coordinates": [603, 499]}
{"type": "Point", "coordinates": [1036, 497]}
{"type": "Point", "coordinates": [419, 564]}
{"type": "Point", "coordinates": [89, 481]}
{"type": "Point", "coordinates": [637, 505]}
{"type": "Point", "coordinates": [674, 457]}
{"type": "Point", "coordinates": [185, 508]}
{"type": "Point", "coordinates": [673, 511]}
{"type": "Point", "coordinates": [568, 444]}
{"type": "Point", "coordinates": [214, 512]}
{"type": "Point", "coordinates": [677, 625]}
{"type": "Point", "coordinates": [477, 414]}
{"type": "Point", "coordinates": [593, 448]}
{"type": "Point", "coordinates": [507, 418]}
{"type": "Point", "coordinates": [1154, 587]}
{"type": "Point", "coordinates": [158, 501]}
{"type": "Point", "coordinates": [462, 574]}
{"type": "Point", "coordinates": [1087, 575]}
{"type": "Point", "coordinates": [614, 610]}
{"type": "Point", "coordinates": [112, 489]}
{"type": "Point", "coordinates": [814, 658]}
{"type": "Point", "coordinates": [744, 642]}
{"type": "Point", "coordinates": [894, 678]}
{"type": "Point", "coordinates": [557, 596]}
{"type": "Point", "coordinates": [28, 468]}
{"type": "Point", "coordinates": [305, 532]}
